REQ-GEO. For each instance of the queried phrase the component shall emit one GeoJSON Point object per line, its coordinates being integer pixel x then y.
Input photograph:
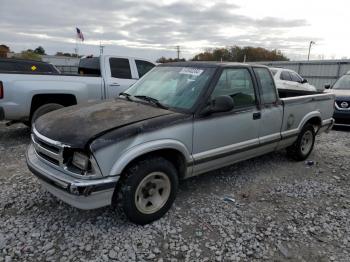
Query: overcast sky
{"type": "Point", "coordinates": [152, 28]}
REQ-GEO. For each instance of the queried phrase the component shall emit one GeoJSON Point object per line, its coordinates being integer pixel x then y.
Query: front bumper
{"type": "Point", "coordinates": [80, 193]}
{"type": "Point", "coordinates": [342, 117]}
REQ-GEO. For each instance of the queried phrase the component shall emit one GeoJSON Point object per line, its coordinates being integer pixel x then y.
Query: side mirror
{"type": "Point", "coordinates": [220, 104]}
{"type": "Point", "coordinates": [327, 86]}
{"type": "Point", "coordinates": [303, 81]}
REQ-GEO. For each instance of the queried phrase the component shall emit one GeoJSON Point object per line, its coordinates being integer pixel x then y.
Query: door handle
{"type": "Point", "coordinates": [114, 84]}
{"type": "Point", "coordinates": [256, 115]}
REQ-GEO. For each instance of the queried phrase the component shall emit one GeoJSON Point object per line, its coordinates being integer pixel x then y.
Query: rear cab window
{"type": "Point", "coordinates": [120, 68]}
{"type": "Point", "coordinates": [143, 67]}
{"type": "Point", "coordinates": [7, 66]}
{"type": "Point", "coordinates": [268, 89]}
{"type": "Point", "coordinates": [36, 67]}
{"type": "Point", "coordinates": [89, 66]}
{"type": "Point", "coordinates": [27, 67]}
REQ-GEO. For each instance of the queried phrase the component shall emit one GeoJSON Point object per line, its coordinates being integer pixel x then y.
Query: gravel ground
{"type": "Point", "coordinates": [268, 208]}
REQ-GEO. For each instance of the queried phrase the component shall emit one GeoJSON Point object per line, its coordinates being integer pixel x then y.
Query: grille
{"type": "Point", "coordinates": [342, 105]}
{"type": "Point", "coordinates": [57, 154]}
{"type": "Point", "coordinates": [50, 152]}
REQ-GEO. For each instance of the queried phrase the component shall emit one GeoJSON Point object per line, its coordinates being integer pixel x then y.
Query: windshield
{"type": "Point", "coordinates": [343, 83]}
{"type": "Point", "coordinates": [174, 87]}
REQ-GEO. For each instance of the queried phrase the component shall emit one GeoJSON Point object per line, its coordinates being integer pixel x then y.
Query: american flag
{"type": "Point", "coordinates": [80, 34]}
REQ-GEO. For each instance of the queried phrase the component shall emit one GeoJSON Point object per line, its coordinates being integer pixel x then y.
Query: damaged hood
{"type": "Point", "coordinates": [77, 125]}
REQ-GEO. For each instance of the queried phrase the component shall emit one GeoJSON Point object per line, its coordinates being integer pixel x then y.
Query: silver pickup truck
{"type": "Point", "coordinates": [180, 120]}
{"type": "Point", "coordinates": [26, 96]}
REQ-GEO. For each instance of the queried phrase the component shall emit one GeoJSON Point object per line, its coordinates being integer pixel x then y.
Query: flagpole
{"type": "Point", "coordinates": [76, 45]}
{"type": "Point", "coordinates": [79, 36]}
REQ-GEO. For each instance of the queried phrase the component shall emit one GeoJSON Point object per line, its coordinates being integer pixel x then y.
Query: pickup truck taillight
{"type": "Point", "coordinates": [1, 90]}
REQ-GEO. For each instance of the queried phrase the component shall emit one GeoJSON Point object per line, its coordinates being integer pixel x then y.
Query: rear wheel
{"type": "Point", "coordinates": [148, 189]}
{"type": "Point", "coordinates": [302, 148]}
{"type": "Point", "coordinates": [44, 109]}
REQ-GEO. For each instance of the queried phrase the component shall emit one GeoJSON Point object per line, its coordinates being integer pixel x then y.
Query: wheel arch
{"type": "Point", "coordinates": [314, 118]}
{"type": "Point", "coordinates": [316, 122]}
{"type": "Point", "coordinates": [172, 150]}
{"type": "Point", "coordinates": [39, 100]}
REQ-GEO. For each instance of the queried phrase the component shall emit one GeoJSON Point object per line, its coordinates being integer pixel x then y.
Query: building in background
{"type": "Point", "coordinates": [66, 64]}
{"type": "Point", "coordinates": [4, 50]}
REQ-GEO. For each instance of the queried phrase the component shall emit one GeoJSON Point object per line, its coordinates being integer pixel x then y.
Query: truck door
{"type": "Point", "coordinates": [223, 138]}
{"type": "Point", "coordinates": [271, 110]}
{"type": "Point", "coordinates": [119, 76]}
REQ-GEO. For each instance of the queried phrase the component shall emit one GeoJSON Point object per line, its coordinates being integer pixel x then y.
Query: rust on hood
{"type": "Point", "coordinates": [76, 125]}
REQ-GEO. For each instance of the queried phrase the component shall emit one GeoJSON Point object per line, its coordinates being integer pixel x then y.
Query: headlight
{"type": "Point", "coordinates": [81, 161]}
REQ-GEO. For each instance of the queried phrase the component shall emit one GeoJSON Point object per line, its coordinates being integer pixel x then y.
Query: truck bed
{"type": "Point", "coordinates": [300, 107]}
{"type": "Point", "coordinates": [285, 93]}
{"type": "Point", "coordinates": [21, 88]}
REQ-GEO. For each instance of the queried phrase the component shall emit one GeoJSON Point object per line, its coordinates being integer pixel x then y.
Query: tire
{"type": "Point", "coordinates": [44, 109]}
{"type": "Point", "coordinates": [27, 123]}
{"type": "Point", "coordinates": [302, 148]}
{"type": "Point", "coordinates": [142, 200]}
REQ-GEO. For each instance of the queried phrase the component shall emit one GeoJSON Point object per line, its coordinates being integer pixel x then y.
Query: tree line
{"type": "Point", "coordinates": [35, 54]}
{"type": "Point", "coordinates": [234, 54]}
{"type": "Point", "coordinates": [229, 54]}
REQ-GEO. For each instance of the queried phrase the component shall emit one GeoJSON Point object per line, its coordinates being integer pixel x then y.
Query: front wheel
{"type": "Point", "coordinates": [148, 189]}
{"type": "Point", "coordinates": [302, 148]}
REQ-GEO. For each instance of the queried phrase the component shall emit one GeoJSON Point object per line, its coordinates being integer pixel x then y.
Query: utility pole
{"type": "Point", "coordinates": [101, 48]}
{"type": "Point", "coordinates": [308, 55]}
{"type": "Point", "coordinates": [178, 52]}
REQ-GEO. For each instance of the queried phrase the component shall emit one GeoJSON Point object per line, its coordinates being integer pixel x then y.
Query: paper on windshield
{"type": "Point", "coordinates": [191, 71]}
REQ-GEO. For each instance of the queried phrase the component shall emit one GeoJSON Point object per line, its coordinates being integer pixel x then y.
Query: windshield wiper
{"type": "Point", "coordinates": [152, 100]}
{"type": "Point", "coordinates": [127, 95]}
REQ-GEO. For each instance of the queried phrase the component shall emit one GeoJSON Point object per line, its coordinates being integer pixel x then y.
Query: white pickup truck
{"type": "Point", "coordinates": [24, 97]}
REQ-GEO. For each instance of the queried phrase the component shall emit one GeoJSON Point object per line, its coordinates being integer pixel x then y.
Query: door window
{"type": "Point", "coordinates": [295, 77]}
{"type": "Point", "coordinates": [120, 68]}
{"type": "Point", "coordinates": [236, 83]}
{"type": "Point", "coordinates": [285, 76]}
{"type": "Point", "coordinates": [267, 84]}
{"type": "Point", "coordinates": [143, 67]}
